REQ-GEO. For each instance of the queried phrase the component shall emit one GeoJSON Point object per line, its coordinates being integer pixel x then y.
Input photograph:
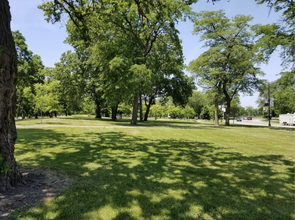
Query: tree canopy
{"type": "Point", "coordinates": [128, 30]}
{"type": "Point", "coordinates": [230, 65]}
{"type": "Point", "coordinates": [30, 69]}
{"type": "Point", "coordinates": [272, 36]}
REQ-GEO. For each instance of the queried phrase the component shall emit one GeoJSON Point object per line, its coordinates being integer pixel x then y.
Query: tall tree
{"type": "Point", "coordinates": [29, 73]}
{"type": "Point", "coordinates": [10, 174]}
{"type": "Point", "coordinates": [188, 112]}
{"type": "Point", "coordinates": [46, 97]}
{"type": "Point", "coordinates": [197, 101]}
{"type": "Point", "coordinates": [139, 22]}
{"type": "Point", "coordinates": [231, 63]}
{"type": "Point", "coordinates": [71, 83]}
{"type": "Point", "coordinates": [207, 68]}
{"type": "Point", "coordinates": [168, 78]}
{"type": "Point", "coordinates": [272, 36]}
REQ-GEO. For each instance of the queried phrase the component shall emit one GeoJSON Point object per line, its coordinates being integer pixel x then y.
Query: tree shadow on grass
{"type": "Point", "coordinates": [126, 177]}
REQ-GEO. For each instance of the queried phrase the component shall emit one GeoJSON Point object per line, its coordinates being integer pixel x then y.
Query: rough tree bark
{"type": "Point", "coordinates": [135, 108]}
{"type": "Point", "coordinates": [148, 106]}
{"type": "Point", "coordinates": [228, 101]}
{"type": "Point", "coordinates": [9, 175]}
{"type": "Point", "coordinates": [97, 109]}
{"type": "Point", "coordinates": [114, 112]}
{"type": "Point", "coordinates": [227, 111]}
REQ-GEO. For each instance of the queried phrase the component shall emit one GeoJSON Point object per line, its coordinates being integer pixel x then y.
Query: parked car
{"type": "Point", "coordinates": [239, 119]}
{"type": "Point", "coordinates": [249, 118]}
{"type": "Point", "coordinates": [245, 117]}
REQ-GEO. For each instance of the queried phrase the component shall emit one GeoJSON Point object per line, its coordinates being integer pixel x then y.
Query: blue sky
{"type": "Point", "coordinates": [46, 39]}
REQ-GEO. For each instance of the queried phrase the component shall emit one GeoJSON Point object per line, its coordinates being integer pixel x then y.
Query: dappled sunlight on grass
{"type": "Point", "coordinates": [163, 174]}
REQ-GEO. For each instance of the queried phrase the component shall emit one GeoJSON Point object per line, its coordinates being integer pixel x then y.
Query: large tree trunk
{"type": "Point", "coordinates": [227, 111]}
{"type": "Point", "coordinates": [97, 109]}
{"type": "Point", "coordinates": [228, 101]}
{"type": "Point", "coordinates": [9, 173]}
{"type": "Point", "coordinates": [114, 113]}
{"type": "Point", "coordinates": [135, 108]}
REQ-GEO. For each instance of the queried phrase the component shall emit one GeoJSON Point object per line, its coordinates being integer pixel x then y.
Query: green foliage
{"type": "Point", "coordinates": [212, 113]}
{"type": "Point", "coordinates": [134, 29]}
{"type": "Point", "coordinates": [230, 65]}
{"type": "Point", "coordinates": [284, 95]}
{"type": "Point", "coordinates": [88, 105]}
{"type": "Point", "coordinates": [272, 36]}
{"type": "Point", "coordinates": [70, 88]}
{"type": "Point", "coordinates": [197, 101]}
{"type": "Point", "coordinates": [205, 113]}
{"type": "Point", "coordinates": [237, 109]}
{"type": "Point", "coordinates": [30, 72]}
{"type": "Point", "coordinates": [125, 109]}
{"type": "Point", "coordinates": [156, 111]}
{"type": "Point", "coordinates": [46, 97]}
{"type": "Point", "coordinates": [166, 62]}
{"type": "Point", "coordinates": [282, 91]}
{"type": "Point", "coordinates": [141, 77]}
{"type": "Point", "coordinates": [174, 111]}
{"type": "Point", "coordinates": [250, 111]}
{"type": "Point", "coordinates": [188, 112]}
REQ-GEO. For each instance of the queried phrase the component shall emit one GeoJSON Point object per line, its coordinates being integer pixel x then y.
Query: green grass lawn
{"type": "Point", "coordinates": [162, 170]}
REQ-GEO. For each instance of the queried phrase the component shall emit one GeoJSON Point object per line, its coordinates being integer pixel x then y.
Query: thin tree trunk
{"type": "Point", "coordinates": [140, 107]}
{"type": "Point", "coordinates": [10, 174]}
{"type": "Point", "coordinates": [148, 106]}
{"type": "Point", "coordinates": [216, 122]}
{"type": "Point", "coordinates": [227, 112]}
{"type": "Point", "coordinates": [147, 112]}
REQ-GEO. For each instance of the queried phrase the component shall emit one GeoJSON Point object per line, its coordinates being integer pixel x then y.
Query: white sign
{"type": "Point", "coordinates": [222, 108]}
{"type": "Point", "coordinates": [271, 102]}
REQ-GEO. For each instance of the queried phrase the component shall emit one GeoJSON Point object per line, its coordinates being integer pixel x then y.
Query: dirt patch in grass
{"type": "Point", "coordinates": [41, 184]}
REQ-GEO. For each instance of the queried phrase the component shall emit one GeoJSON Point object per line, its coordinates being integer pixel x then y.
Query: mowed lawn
{"type": "Point", "coordinates": [161, 170]}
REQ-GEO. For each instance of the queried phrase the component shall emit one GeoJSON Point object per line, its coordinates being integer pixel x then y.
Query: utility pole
{"type": "Point", "coordinates": [269, 106]}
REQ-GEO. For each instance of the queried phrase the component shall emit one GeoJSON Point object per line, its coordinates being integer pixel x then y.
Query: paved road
{"type": "Point", "coordinates": [259, 122]}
